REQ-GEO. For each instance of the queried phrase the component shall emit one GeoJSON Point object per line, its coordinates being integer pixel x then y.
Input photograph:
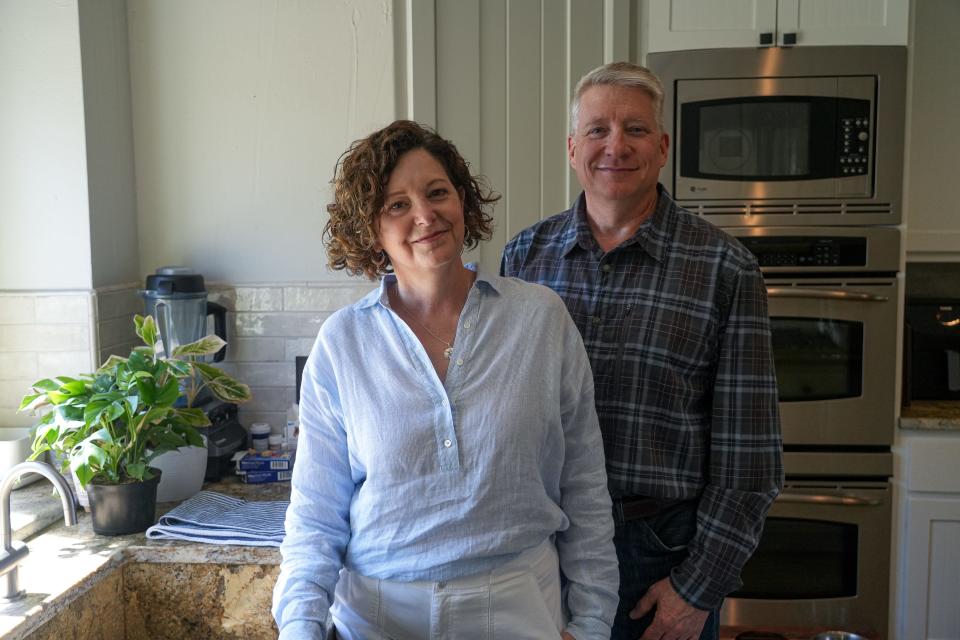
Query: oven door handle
{"type": "Point", "coordinates": [823, 294]}
{"type": "Point", "coordinates": [845, 500]}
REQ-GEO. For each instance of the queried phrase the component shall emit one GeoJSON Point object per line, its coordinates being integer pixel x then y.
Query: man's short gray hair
{"type": "Point", "coordinates": [620, 74]}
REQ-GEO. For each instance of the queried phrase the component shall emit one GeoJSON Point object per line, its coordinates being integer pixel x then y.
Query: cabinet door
{"type": "Point", "coordinates": [929, 586]}
{"type": "Point", "coordinates": [851, 22]}
{"type": "Point", "coordinates": [675, 25]}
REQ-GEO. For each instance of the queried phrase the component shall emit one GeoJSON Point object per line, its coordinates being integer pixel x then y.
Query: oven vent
{"type": "Point", "coordinates": [787, 208]}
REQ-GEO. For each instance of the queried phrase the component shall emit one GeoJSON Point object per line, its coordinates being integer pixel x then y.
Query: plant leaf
{"type": "Point", "coordinates": [169, 393]}
{"type": "Point", "coordinates": [191, 417]}
{"type": "Point", "coordinates": [46, 385]}
{"type": "Point", "coordinates": [139, 362]}
{"type": "Point", "coordinates": [112, 362]}
{"type": "Point", "coordinates": [28, 400]}
{"type": "Point", "coordinates": [206, 346]}
{"type": "Point", "coordinates": [137, 470]}
{"type": "Point", "coordinates": [222, 385]}
{"type": "Point", "coordinates": [179, 368]}
{"type": "Point", "coordinates": [146, 328]}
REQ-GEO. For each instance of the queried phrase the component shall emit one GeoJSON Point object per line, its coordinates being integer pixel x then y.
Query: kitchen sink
{"type": "Point", "coordinates": [161, 600]}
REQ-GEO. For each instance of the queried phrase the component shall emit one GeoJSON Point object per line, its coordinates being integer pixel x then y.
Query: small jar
{"type": "Point", "coordinates": [260, 436]}
{"type": "Point", "coordinates": [276, 443]}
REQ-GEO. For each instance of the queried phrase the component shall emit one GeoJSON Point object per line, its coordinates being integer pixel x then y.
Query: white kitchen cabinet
{"type": "Point", "coordinates": [674, 25]}
{"type": "Point", "coordinates": [929, 525]}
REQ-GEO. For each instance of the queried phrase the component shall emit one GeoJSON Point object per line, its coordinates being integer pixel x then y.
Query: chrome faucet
{"type": "Point", "coordinates": [12, 552]}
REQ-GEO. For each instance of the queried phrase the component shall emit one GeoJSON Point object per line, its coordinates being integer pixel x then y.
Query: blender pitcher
{"type": "Point", "coordinates": [177, 300]}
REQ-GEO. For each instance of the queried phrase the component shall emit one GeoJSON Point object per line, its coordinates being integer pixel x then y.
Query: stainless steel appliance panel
{"type": "Point", "coordinates": [824, 556]}
{"type": "Point", "coordinates": [826, 332]}
{"type": "Point", "coordinates": [873, 199]}
{"type": "Point", "coordinates": [832, 300]}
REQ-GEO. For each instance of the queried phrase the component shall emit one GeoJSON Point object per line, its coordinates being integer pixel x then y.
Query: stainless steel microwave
{"type": "Point", "coordinates": [804, 136]}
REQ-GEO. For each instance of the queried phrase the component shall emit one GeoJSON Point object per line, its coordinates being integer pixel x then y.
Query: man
{"type": "Point", "coordinates": [673, 314]}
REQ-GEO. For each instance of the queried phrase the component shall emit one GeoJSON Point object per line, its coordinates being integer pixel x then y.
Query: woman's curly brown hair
{"type": "Point", "coordinates": [359, 181]}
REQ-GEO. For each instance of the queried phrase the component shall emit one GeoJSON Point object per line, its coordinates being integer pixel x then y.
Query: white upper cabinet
{"type": "Point", "coordinates": [674, 25]}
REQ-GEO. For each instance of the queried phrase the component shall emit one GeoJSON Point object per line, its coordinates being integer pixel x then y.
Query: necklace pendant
{"type": "Point", "coordinates": [448, 352]}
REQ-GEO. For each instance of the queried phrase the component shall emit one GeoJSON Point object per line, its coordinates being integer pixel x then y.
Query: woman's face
{"type": "Point", "coordinates": [421, 224]}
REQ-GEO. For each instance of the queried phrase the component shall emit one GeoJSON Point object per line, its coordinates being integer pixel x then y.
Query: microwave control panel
{"type": "Point", "coordinates": [854, 137]}
{"type": "Point", "coordinates": [800, 251]}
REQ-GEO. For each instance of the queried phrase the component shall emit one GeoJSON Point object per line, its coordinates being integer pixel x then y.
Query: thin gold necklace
{"type": "Point", "coordinates": [448, 352]}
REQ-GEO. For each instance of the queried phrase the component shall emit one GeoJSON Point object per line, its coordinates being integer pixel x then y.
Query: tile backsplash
{"type": "Point", "coordinates": [268, 325]}
{"type": "Point", "coordinates": [42, 334]}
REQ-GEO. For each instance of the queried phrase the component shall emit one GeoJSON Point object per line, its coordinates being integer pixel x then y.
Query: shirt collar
{"type": "Point", "coordinates": [380, 296]}
{"type": "Point", "coordinates": [652, 236]}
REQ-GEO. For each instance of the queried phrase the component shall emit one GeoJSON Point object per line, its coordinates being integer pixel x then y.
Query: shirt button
{"type": "Point", "coordinates": [447, 443]}
{"type": "Point", "coordinates": [595, 319]}
{"type": "Point", "coordinates": [459, 362]}
{"type": "Point", "coordinates": [466, 325]}
{"type": "Point", "coordinates": [607, 268]}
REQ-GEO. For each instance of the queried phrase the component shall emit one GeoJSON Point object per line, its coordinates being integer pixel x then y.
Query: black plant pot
{"type": "Point", "coordinates": [119, 509]}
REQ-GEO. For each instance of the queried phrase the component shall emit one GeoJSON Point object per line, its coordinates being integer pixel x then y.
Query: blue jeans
{"type": "Point", "coordinates": [647, 550]}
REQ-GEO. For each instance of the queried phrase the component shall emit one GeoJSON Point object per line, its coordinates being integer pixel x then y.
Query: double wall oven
{"type": "Point", "coordinates": [823, 559]}
{"type": "Point", "coordinates": [798, 152]}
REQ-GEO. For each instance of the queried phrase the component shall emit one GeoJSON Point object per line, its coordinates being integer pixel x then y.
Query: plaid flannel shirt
{"type": "Point", "coordinates": [675, 323]}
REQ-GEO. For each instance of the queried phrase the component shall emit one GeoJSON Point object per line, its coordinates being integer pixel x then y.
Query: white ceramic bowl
{"type": "Point", "coordinates": [183, 472]}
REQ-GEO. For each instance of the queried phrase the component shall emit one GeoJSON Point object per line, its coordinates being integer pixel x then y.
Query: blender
{"type": "Point", "coordinates": [177, 300]}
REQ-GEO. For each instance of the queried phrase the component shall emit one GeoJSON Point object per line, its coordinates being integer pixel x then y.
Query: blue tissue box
{"type": "Point", "coordinates": [255, 462]}
{"type": "Point", "coordinates": [261, 477]}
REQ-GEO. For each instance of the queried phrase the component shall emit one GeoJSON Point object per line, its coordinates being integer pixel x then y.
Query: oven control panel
{"type": "Point", "coordinates": [801, 251]}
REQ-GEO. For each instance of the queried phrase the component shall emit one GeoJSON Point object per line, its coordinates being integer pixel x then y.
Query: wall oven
{"type": "Point", "coordinates": [781, 136]}
{"type": "Point", "coordinates": [824, 557]}
{"type": "Point", "coordinates": [832, 295]}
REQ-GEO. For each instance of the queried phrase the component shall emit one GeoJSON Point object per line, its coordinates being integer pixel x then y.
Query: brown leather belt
{"type": "Point", "coordinates": [636, 507]}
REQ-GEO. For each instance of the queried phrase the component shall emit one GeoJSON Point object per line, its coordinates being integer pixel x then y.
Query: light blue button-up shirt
{"type": "Point", "coordinates": [403, 477]}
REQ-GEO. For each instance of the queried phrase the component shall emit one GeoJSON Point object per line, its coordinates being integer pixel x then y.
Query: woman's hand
{"type": "Point", "coordinates": [566, 636]}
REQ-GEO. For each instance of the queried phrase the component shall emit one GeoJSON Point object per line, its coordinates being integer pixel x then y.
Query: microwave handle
{"type": "Point", "coordinates": [823, 294]}
{"type": "Point", "coordinates": [828, 499]}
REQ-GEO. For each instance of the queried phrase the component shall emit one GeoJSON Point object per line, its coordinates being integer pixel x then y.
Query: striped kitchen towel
{"type": "Point", "coordinates": [216, 518]}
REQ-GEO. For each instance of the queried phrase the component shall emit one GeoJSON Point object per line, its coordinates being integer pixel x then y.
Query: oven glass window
{"type": "Point", "coordinates": [817, 358]}
{"type": "Point", "coordinates": [802, 559]}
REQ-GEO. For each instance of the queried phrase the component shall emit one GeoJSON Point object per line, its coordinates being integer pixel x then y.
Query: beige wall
{"type": "Point", "coordinates": [240, 111]}
{"type": "Point", "coordinates": [44, 219]}
{"type": "Point", "coordinates": [931, 206]}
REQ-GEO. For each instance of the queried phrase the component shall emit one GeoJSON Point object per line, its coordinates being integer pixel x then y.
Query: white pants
{"type": "Point", "coordinates": [519, 601]}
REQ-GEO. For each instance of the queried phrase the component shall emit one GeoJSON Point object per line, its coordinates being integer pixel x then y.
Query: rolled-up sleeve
{"type": "Point", "coordinates": [318, 519]}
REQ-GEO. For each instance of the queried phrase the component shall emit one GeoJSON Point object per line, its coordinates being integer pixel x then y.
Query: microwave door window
{"type": "Point", "coordinates": [758, 139]}
{"type": "Point", "coordinates": [817, 359]}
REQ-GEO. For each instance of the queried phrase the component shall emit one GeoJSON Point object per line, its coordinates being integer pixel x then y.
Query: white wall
{"type": "Point", "coordinates": [44, 221]}
{"type": "Point", "coordinates": [240, 111]}
{"type": "Point", "coordinates": [109, 142]}
{"type": "Point", "coordinates": [931, 209]}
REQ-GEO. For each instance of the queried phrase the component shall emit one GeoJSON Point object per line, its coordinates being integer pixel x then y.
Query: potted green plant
{"type": "Point", "coordinates": [108, 425]}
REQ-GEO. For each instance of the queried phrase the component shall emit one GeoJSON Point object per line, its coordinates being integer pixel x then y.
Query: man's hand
{"type": "Point", "coordinates": [566, 636]}
{"type": "Point", "coordinates": [674, 619]}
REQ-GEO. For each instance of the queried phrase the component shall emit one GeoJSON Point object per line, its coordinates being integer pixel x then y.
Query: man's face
{"type": "Point", "coordinates": [617, 149]}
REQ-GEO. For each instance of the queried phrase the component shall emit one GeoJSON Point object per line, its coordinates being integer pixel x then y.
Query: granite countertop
{"type": "Point", "coordinates": [931, 415]}
{"type": "Point", "coordinates": [64, 562]}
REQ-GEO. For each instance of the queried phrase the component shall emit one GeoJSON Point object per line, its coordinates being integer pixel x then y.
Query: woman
{"type": "Point", "coordinates": [449, 457]}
